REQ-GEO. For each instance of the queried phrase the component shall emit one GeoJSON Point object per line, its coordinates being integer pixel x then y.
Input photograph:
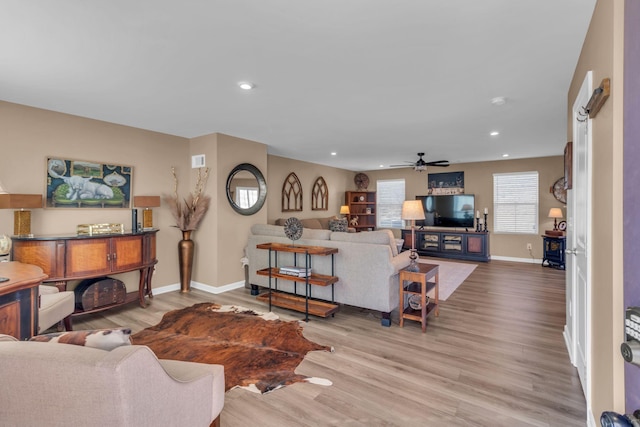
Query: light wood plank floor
{"type": "Point", "coordinates": [494, 357]}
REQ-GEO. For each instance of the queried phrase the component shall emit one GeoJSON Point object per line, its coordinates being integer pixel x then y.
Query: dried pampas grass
{"type": "Point", "coordinates": [188, 212]}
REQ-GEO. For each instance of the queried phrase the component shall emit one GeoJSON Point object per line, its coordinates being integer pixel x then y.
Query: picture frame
{"type": "Point", "coordinates": [82, 184]}
{"type": "Point", "coordinates": [446, 183]}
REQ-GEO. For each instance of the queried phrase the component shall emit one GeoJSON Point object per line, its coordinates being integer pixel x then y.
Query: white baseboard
{"type": "Point", "coordinates": [200, 286]}
{"type": "Point", "coordinates": [513, 259]}
{"type": "Point", "coordinates": [568, 344]}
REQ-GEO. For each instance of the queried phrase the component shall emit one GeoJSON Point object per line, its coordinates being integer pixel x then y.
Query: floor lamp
{"type": "Point", "coordinates": [412, 210]}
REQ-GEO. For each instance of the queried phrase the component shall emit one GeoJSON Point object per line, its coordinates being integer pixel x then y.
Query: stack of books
{"type": "Point", "coordinates": [295, 271]}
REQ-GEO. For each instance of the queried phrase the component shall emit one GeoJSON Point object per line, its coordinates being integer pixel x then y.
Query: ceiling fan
{"type": "Point", "coordinates": [420, 165]}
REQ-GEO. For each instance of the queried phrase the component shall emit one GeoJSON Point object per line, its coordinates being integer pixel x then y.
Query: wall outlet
{"type": "Point", "coordinates": [529, 246]}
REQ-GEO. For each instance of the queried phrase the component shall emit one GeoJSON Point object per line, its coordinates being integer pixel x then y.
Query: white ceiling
{"type": "Point", "coordinates": [374, 80]}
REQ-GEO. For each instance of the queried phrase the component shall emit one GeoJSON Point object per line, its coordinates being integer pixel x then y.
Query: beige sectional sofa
{"type": "Point", "coordinates": [367, 265]}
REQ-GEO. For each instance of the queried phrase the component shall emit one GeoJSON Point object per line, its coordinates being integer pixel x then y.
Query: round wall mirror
{"type": "Point", "coordinates": [246, 189]}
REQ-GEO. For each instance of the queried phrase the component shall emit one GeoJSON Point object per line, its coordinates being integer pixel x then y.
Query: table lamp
{"type": "Point", "coordinates": [555, 213]}
{"type": "Point", "coordinates": [412, 210]}
{"type": "Point", "coordinates": [22, 203]}
{"type": "Point", "coordinates": [146, 202]}
{"type": "Point", "coordinates": [344, 210]}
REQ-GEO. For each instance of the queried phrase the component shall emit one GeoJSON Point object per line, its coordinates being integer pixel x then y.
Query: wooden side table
{"type": "Point", "coordinates": [417, 283]}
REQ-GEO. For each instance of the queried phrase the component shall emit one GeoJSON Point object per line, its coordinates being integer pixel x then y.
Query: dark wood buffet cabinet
{"type": "Point", "coordinates": [67, 258]}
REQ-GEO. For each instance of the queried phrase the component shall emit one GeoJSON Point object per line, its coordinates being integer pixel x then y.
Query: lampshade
{"type": "Point", "coordinates": [22, 216]}
{"type": "Point", "coordinates": [20, 201]}
{"type": "Point", "coordinates": [146, 201]}
{"type": "Point", "coordinates": [467, 207]}
{"type": "Point", "coordinates": [555, 213]}
{"type": "Point", "coordinates": [344, 210]}
{"type": "Point", "coordinates": [412, 210]}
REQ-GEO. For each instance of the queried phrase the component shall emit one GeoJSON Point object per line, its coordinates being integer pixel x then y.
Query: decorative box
{"type": "Point", "coordinates": [97, 229]}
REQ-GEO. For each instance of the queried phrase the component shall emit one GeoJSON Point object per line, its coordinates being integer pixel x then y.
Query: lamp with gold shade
{"type": "Point", "coordinates": [412, 210]}
{"type": "Point", "coordinates": [22, 203]}
{"type": "Point", "coordinates": [344, 210]}
{"type": "Point", "coordinates": [146, 202]}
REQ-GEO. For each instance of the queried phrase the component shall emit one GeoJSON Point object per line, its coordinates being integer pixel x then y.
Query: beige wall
{"type": "Point", "coordinates": [478, 178]}
{"type": "Point", "coordinates": [603, 54]}
{"type": "Point", "coordinates": [233, 228]}
{"type": "Point", "coordinates": [338, 180]}
{"type": "Point", "coordinates": [29, 135]}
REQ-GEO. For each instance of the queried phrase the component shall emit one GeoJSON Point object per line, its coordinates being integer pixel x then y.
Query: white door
{"type": "Point", "coordinates": [578, 237]}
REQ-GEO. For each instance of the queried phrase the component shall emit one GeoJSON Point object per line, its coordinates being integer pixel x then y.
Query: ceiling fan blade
{"type": "Point", "coordinates": [441, 163]}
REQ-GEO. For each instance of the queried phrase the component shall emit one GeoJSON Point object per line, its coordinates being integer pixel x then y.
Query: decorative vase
{"type": "Point", "coordinates": [185, 257]}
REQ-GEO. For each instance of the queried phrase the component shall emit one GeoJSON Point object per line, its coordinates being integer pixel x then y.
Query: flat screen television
{"type": "Point", "coordinates": [451, 210]}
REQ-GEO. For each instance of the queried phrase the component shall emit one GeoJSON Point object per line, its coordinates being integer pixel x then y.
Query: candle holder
{"type": "Point", "coordinates": [485, 223]}
{"type": "Point", "coordinates": [478, 229]}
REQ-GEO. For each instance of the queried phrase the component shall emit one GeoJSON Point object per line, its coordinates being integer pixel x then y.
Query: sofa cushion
{"type": "Point", "coordinates": [278, 231]}
{"type": "Point", "coordinates": [379, 237]}
{"type": "Point", "coordinates": [325, 222]}
{"type": "Point", "coordinates": [268, 230]}
{"type": "Point", "coordinates": [310, 233]}
{"type": "Point", "coordinates": [313, 223]}
{"type": "Point", "coordinates": [104, 339]}
{"type": "Point", "coordinates": [338, 225]}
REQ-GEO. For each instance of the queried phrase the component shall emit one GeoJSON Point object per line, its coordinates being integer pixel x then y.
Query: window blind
{"type": "Point", "coordinates": [389, 197]}
{"type": "Point", "coordinates": [515, 203]}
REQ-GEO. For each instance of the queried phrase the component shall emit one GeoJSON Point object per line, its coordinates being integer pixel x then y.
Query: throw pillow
{"type": "Point", "coordinates": [338, 225]}
{"type": "Point", "coordinates": [104, 339]}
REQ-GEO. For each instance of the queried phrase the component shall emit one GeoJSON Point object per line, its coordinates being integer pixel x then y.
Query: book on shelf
{"type": "Point", "coordinates": [295, 271]}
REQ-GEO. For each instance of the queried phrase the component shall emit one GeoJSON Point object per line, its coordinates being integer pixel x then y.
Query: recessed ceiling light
{"type": "Point", "coordinates": [505, 155]}
{"type": "Point", "coordinates": [494, 133]}
{"type": "Point", "coordinates": [381, 166]}
{"type": "Point", "coordinates": [333, 153]}
{"type": "Point", "coordinates": [498, 101]}
{"type": "Point", "coordinates": [246, 85]}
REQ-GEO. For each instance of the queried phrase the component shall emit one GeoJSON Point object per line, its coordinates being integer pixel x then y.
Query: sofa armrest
{"type": "Point", "coordinates": [400, 261]}
{"type": "Point", "coordinates": [4, 337]}
{"type": "Point", "coordinates": [127, 386]}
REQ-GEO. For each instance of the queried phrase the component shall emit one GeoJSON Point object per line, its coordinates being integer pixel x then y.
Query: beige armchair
{"type": "Point", "coordinates": [53, 307]}
{"type": "Point", "coordinates": [57, 384]}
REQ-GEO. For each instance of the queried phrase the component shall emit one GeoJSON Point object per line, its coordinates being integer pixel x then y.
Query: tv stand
{"type": "Point", "coordinates": [466, 245]}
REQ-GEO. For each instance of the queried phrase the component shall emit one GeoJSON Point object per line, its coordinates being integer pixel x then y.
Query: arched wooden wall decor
{"type": "Point", "coordinates": [320, 195]}
{"type": "Point", "coordinates": [291, 194]}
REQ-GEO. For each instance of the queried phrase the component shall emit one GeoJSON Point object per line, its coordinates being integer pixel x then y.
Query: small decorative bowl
{"type": "Point", "coordinates": [414, 302]}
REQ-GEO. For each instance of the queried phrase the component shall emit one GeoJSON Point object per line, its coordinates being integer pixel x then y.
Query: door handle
{"type": "Point", "coordinates": [571, 251]}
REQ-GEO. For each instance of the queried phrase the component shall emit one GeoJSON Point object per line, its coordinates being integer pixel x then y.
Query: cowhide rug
{"type": "Point", "coordinates": [258, 352]}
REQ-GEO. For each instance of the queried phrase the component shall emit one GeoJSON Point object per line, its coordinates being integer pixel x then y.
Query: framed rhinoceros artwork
{"type": "Point", "coordinates": [87, 184]}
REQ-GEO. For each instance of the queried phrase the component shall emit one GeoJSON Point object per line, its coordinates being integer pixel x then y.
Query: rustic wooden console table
{"type": "Point", "coordinates": [296, 302]}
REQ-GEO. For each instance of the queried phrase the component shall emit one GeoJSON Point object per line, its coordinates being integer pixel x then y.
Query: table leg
{"type": "Point", "coordinates": [401, 305]}
{"type": "Point", "coordinates": [423, 300]}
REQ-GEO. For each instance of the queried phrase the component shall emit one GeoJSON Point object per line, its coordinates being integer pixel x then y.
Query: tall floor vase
{"type": "Point", "coordinates": [185, 256]}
